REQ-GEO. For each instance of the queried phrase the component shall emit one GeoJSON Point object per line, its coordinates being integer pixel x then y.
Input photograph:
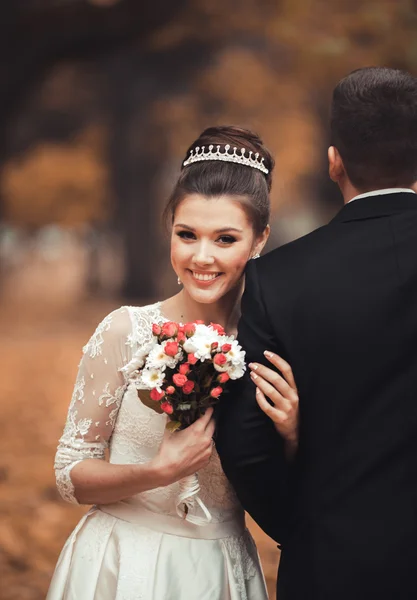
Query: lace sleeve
{"type": "Point", "coordinates": [96, 399]}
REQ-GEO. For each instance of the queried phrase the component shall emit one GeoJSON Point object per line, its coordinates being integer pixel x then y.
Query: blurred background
{"type": "Point", "coordinates": [99, 101]}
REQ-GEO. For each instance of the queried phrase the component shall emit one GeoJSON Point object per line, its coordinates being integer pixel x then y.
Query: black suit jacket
{"type": "Point", "coordinates": [341, 306]}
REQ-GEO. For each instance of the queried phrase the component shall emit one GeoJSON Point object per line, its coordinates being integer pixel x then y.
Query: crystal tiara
{"type": "Point", "coordinates": [198, 154]}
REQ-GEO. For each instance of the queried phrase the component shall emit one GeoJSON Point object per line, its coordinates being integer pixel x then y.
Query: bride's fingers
{"type": "Point", "coordinates": [275, 414]}
{"type": "Point", "coordinates": [279, 400]}
{"type": "Point", "coordinates": [282, 366]}
{"type": "Point", "coordinates": [276, 381]}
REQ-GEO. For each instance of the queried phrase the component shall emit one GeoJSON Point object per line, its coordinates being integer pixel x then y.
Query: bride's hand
{"type": "Point", "coordinates": [185, 452]}
{"type": "Point", "coordinates": [282, 392]}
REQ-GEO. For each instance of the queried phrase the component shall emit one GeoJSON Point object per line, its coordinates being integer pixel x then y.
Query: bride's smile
{"type": "Point", "coordinates": [205, 278]}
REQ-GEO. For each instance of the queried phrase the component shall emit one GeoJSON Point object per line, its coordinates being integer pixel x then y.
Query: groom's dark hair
{"type": "Point", "coordinates": [374, 127]}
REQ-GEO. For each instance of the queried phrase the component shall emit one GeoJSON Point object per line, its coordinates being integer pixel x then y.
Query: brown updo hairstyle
{"type": "Point", "coordinates": [213, 178]}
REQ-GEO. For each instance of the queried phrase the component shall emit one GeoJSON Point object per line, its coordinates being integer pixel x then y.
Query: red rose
{"type": "Point", "coordinates": [181, 337]}
{"type": "Point", "coordinates": [226, 348]}
{"type": "Point", "coordinates": [184, 369]}
{"type": "Point", "coordinates": [170, 329]}
{"type": "Point", "coordinates": [219, 359]}
{"type": "Point", "coordinates": [167, 408]}
{"type": "Point", "coordinates": [171, 348]}
{"type": "Point", "coordinates": [179, 379]}
{"type": "Point", "coordinates": [155, 395]}
{"type": "Point", "coordinates": [171, 390]}
{"type": "Point", "coordinates": [189, 329]}
{"type": "Point", "coordinates": [192, 359]}
{"type": "Point", "coordinates": [188, 387]}
{"type": "Point", "coordinates": [218, 328]}
{"type": "Point", "coordinates": [214, 345]}
{"type": "Point", "coordinates": [215, 392]}
{"type": "Point", "coordinates": [156, 329]}
{"type": "Point", "coordinates": [223, 377]}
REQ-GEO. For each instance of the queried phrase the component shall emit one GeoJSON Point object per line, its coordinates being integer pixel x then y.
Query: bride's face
{"type": "Point", "coordinates": [212, 240]}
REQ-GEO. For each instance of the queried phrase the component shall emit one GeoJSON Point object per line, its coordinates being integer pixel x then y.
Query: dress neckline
{"type": "Point", "coordinates": [158, 307]}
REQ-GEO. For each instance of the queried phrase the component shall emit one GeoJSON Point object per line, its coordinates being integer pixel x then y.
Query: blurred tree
{"type": "Point", "coordinates": [39, 35]}
{"type": "Point", "coordinates": [149, 78]}
{"type": "Point", "coordinates": [139, 147]}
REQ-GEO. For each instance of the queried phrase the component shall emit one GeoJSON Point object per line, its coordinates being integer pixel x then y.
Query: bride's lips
{"type": "Point", "coordinates": [204, 278]}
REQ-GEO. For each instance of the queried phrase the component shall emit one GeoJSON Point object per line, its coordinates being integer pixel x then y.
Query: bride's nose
{"type": "Point", "coordinates": [203, 255]}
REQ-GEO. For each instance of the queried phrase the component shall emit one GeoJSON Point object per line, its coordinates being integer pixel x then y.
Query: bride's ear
{"type": "Point", "coordinates": [261, 240]}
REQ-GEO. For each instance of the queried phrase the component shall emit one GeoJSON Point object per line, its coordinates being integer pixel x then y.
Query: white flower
{"type": "Point", "coordinates": [157, 358]}
{"type": "Point", "coordinates": [200, 343]}
{"type": "Point", "coordinates": [235, 356]}
{"type": "Point", "coordinates": [190, 345]}
{"type": "Point", "coordinates": [152, 378]}
{"type": "Point", "coordinates": [138, 359]}
{"type": "Point", "coordinates": [236, 371]}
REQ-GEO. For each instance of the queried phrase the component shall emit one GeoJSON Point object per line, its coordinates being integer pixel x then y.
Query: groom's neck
{"type": "Point", "coordinates": [349, 191]}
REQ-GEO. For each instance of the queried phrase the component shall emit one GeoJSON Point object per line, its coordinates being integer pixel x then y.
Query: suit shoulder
{"type": "Point", "coordinates": [292, 250]}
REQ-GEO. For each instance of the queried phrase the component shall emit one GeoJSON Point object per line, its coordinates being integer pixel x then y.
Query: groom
{"type": "Point", "coordinates": [340, 305]}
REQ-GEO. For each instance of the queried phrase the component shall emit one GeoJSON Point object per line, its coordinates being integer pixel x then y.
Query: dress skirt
{"type": "Point", "coordinates": [120, 553]}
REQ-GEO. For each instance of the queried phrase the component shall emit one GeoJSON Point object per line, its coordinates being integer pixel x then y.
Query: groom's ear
{"type": "Point", "coordinates": [336, 167]}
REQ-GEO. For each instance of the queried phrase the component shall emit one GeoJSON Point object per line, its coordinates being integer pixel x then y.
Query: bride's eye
{"type": "Point", "coordinates": [186, 235]}
{"type": "Point", "coordinates": [226, 239]}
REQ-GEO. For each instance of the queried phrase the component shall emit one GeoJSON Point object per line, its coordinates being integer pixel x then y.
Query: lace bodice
{"type": "Point", "coordinates": [106, 412]}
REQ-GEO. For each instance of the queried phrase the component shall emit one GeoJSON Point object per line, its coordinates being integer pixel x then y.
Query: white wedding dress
{"type": "Point", "coordinates": [139, 548]}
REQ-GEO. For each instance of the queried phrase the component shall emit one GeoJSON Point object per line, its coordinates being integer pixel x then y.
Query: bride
{"type": "Point", "coordinates": [132, 544]}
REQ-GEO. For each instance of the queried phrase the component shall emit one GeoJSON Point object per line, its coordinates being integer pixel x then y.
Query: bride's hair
{"type": "Point", "coordinates": [213, 178]}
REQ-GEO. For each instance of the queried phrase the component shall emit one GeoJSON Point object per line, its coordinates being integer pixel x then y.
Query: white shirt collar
{"type": "Point", "coordinates": [383, 192]}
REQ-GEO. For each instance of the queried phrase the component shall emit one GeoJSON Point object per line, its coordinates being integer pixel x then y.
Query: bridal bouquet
{"type": "Point", "coordinates": [186, 368]}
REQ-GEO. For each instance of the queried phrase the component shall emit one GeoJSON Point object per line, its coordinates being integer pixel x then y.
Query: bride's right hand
{"type": "Point", "coordinates": [184, 452]}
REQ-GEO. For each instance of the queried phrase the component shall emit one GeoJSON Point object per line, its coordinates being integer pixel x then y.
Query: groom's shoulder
{"type": "Point", "coordinates": [292, 251]}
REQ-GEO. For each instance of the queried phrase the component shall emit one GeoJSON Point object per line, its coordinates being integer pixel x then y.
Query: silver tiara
{"type": "Point", "coordinates": [198, 154]}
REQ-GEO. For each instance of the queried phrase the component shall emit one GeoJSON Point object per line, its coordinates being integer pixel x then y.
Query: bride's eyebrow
{"type": "Point", "coordinates": [226, 229]}
{"type": "Point", "coordinates": [183, 226]}
{"type": "Point", "coordinates": [222, 230]}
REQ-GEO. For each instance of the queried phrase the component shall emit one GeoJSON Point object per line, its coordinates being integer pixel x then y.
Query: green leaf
{"type": "Point", "coordinates": [145, 398]}
{"type": "Point", "coordinates": [173, 425]}
{"type": "Point", "coordinates": [184, 406]}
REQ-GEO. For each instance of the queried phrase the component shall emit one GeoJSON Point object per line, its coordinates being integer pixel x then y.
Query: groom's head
{"type": "Point", "coordinates": [374, 130]}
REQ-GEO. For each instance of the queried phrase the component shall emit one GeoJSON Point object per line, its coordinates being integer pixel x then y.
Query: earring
{"type": "Point", "coordinates": [179, 281]}
{"type": "Point", "coordinates": [255, 256]}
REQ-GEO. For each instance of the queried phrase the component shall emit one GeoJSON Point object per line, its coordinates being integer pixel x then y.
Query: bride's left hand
{"type": "Point", "coordinates": [282, 392]}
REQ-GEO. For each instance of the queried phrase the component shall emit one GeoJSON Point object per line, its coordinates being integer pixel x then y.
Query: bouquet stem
{"type": "Point", "coordinates": [188, 498]}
